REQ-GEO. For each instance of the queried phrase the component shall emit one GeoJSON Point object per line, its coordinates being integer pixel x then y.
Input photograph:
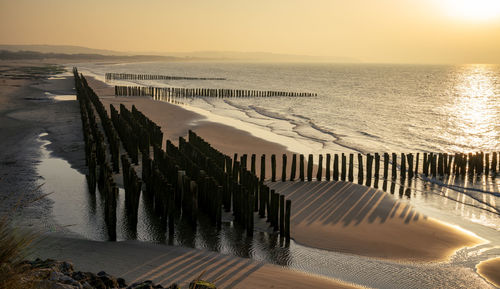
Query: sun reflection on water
{"type": "Point", "coordinates": [473, 114]}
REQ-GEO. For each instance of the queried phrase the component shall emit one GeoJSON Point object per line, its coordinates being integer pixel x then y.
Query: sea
{"type": "Point", "coordinates": [359, 108]}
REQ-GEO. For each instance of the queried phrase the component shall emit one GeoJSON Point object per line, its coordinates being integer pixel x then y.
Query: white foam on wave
{"type": "Point", "coordinates": [256, 130]}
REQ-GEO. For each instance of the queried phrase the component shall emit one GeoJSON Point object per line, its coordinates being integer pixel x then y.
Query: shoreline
{"type": "Point", "coordinates": [65, 147]}
{"type": "Point", "coordinates": [395, 220]}
{"type": "Point", "coordinates": [489, 270]}
{"type": "Point", "coordinates": [167, 264]}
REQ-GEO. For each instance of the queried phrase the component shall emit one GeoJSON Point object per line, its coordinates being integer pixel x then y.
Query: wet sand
{"type": "Point", "coordinates": [490, 270]}
{"type": "Point", "coordinates": [25, 113]}
{"type": "Point", "coordinates": [316, 221]}
{"type": "Point", "coordinates": [337, 216]}
{"type": "Point", "coordinates": [346, 217]}
{"type": "Point", "coordinates": [135, 260]}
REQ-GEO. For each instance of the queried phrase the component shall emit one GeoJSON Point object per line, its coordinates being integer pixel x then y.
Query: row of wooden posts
{"type": "Point", "coordinates": [128, 76]}
{"type": "Point", "coordinates": [340, 168]}
{"type": "Point", "coordinates": [178, 181]}
{"type": "Point", "coordinates": [96, 154]}
{"type": "Point", "coordinates": [170, 93]}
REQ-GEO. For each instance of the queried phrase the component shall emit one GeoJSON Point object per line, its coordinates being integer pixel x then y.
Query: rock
{"type": "Point", "coordinates": [121, 283]}
{"type": "Point", "coordinates": [101, 273]}
{"type": "Point", "coordinates": [108, 280]}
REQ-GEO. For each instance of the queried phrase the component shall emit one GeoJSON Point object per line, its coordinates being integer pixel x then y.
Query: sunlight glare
{"type": "Point", "coordinates": [478, 10]}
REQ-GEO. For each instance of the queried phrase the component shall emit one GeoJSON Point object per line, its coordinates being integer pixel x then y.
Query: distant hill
{"type": "Point", "coordinates": [22, 55]}
{"type": "Point", "coordinates": [66, 49]}
{"type": "Point", "coordinates": [196, 55]}
{"type": "Point", "coordinates": [261, 56]}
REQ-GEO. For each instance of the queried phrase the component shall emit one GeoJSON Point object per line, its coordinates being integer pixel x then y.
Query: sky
{"type": "Point", "coordinates": [389, 31]}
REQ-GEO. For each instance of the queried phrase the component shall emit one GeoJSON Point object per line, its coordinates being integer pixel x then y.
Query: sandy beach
{"type": "Point", "coordinates": [336, 216]}
{"type": "Point", "coordinates": [135, 260]}
{"type": "Point", "coordinates": [26, 112]}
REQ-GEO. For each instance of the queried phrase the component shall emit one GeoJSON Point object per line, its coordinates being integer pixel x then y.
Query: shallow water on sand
{"type": "Point", "coordinates": [76, 210]}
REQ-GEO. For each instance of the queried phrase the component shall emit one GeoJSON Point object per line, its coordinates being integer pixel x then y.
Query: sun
{"type": "Point", "coordinates": [477, 10]}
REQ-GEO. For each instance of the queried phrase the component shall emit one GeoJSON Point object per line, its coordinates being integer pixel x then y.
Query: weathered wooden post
{"type": "Point", "coordinates": [487, 164]}
{"type": "Point", "coordinates": [369, 161]}
{"type": "Point", "coordinates": [351, 167]}
{"type": "Point", "coordinates": [287, 219]}
{"type": "Point", "coordinates": [327, 172]}
{"type": "Point", "coordinates": [440, 165]}
{"type": "Point", "coordinates": [301, 167]}
{"type": "Point", "coordinates": [360, 169]}
{"type": "Point", "coordinates": [403, 166]}
{"type": "Point", "coordinates": [433, 165]}
{"type": "Point", "coordinates": [416, 164]}
{"type": "Point", "coordinates": [262, 168]}
{"type": "Point", "coordinates": [273, 168]}
{"type": "Point", "coordinates": [494, 163]}
{"type": "Point", "coordinates": [394, 165]}
{"type": "Point", "coordinates": [336, 167]}
{"type": "Point", "coordinates": [377, 165]}
{"type": "Point", "coordinates": [319, 174]}
{"type": "Point", "coordinates": [309, 167]}
{"type": "Point", "coordinates": [410, 165]}
{"type": "Point", "coordinates": [283, 169]}
{"type": "Point", "coordinates": [294, 167]}
{"type": "Point", "coordinates": [262, 200]}
{"type": "Point", "coordinates": [252, 168]}
{"type": "Point", "coordinates": [282, 215]}
{"type": "Point", "coordinates": [425, 168]}
{"type": "Point", "coordinates": [386, 166]}
{"type": "Point", "coordinates": [344, 170]}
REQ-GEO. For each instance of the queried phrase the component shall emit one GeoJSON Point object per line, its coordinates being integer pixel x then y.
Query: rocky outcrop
{"type": "Point", "coordinates": [52, 274]}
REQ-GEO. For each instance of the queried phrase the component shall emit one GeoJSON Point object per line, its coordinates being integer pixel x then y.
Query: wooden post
{"type": "Point", "coordinates": [394, 165]}
{"type": "Point", "coordinates": [377, 165]}
{"type": "Point", "coordinates": [494, 163]}
{"type": "Point", "coordinates": [309, 167]}
{"type": "Point", "coordinates": [301, 168]}
{"type": "Point", "coordinates": [294, 167]}
{"type": "Point", "coordinates": [386, 166]}
{"type": "Point", "coordinates": [360, 169]}
{"type": "Point", "coordinates": [262, 200]}
{"type": "Point", "coordinates": [351, 167]}
{"type": "Point", "coordinates": [336, 167]}
{"type": "Point", "coordinates": [369, 162]}
{"type": "Point", "coordinates": [319, 174]}
{"type": "Point", "coordinates": [283, 169]}
{"type": "Point", "coordinates": [344, 170]}
{"type": "Point", "coordinates": [425, 168]}
{"type": "Point", "coordinates": [487, 165]}
{"type": "Point", "coordinates": [440, 165]}
{"type": "Point", "coordinates": [327, 172]}
{"type": "Point", "coordinates": [273, 168]}
{"type": "Point", "coordinates": [282, 215]}
{"type": "Point", "coordinates": [287, 219]}
{"type": "Point", "coordinates": [252, 168]}
{"type": "Point", "coordinates": [403, 167]}
{"type": "Point", "coordinates": [410, 165]}
{"type": "Point", "coordinates": [262, 168]}
{"type": "Point", "coordinates": [416, 164]}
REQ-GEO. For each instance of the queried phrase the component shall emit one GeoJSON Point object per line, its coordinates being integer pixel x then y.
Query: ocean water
{"type": "Point", "coordinates": [366, 109]}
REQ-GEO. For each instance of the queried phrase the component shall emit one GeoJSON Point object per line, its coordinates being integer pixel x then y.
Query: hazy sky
{"type": "Point", "coordinates": [431, 31]}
